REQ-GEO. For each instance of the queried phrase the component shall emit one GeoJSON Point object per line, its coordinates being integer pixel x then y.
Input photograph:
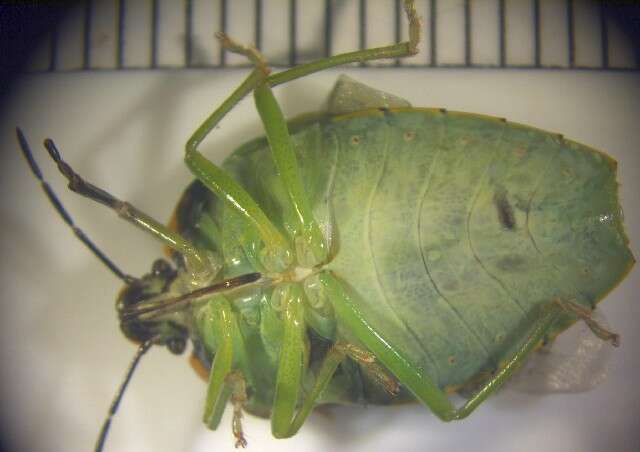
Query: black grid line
{"type": "Point", "coordinates": [433, 33]}
{"type": "Point", "coordinates": [258, 25]}
{"type": "Point", "coordinates": [155, 18]}
{"type": "Point", "coordinates": [502, 32]}
{"type": "Point", "coordinates": [223, 29]}
{"type": "Point", "coordinates": [537, 50]}
{"type": "Point", "coordinates": [293, 32]}
{"type": "Point", "coordinates": [397, 26]}
{"type": "Point", "coordinates": [121, 6]}
{"type": "Point", "coordinates": [53, 50]}
{"type": "Point", "coordinates": [467, 33]}
{"type": "Point", "coordinates": [188, 27]}
{"type": "Point", "coordinates": [604, 37]}
{"type": "Point", "coordinates": [571, 32]}
{"type": "Point", "coordinates": [328, 27]}
{"type": "Point", "coordinates": [86, 35]}
{"type": "Point", "coordinates": [362, 30]}
{"type": "Point", "coordinates": [431, 54]}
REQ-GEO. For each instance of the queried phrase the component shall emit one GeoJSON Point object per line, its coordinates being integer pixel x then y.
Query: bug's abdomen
{"type": "Point", "coordinates": [454, 228]}
{"type": "Point", "coordinates": [451, 229]}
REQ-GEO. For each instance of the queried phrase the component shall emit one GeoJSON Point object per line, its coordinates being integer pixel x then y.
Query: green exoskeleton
{"type": "Point", "coordinates": [374, 253]}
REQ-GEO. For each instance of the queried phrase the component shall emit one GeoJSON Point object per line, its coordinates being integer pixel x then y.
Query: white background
{"type": "Point", "coordinates": [62, 353]}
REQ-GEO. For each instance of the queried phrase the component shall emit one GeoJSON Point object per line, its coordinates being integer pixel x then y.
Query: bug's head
{"type": "Point", "coordinates": [143, 290]}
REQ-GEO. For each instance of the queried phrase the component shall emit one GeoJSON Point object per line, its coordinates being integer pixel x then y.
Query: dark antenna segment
{"type": "Point", "coordinates": [113, 409]}
{"type": "Point", "coordinates": [55, 201]}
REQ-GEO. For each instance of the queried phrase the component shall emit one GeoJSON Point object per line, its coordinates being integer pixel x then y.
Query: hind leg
{"type": "Point", "coordinates": [414, 379]}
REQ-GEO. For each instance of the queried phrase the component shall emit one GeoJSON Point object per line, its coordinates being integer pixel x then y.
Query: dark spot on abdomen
{"type": "Point", "coordinates": [512, 263]}
{"type": "Point", "coordinates": [504, 209]}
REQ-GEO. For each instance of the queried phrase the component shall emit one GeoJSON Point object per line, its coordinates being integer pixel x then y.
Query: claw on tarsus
{"type": "Point", "coordinates": [584, 314]}
{"type": "Point", "coordinates": [238, 399]}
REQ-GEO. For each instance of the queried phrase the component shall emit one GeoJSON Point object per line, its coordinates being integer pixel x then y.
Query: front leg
{"type": "Point", "coordinates": [238, 398]}
{"type": "Point", "coordinates": [216, 322]}
{"type": "Point", "coordinates": [291, 361]}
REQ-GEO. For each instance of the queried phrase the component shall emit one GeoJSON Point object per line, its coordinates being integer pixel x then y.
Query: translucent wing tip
{"type": "Point", "coordinates": [349, 95]}
{"type": "Point", "coordinates": [577, 361]}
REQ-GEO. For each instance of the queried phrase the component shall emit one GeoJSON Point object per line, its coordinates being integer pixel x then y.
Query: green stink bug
{"type": "Point", "coordinates": [354, 143]}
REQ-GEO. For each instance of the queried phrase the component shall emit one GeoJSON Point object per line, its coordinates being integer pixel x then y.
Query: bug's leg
{"type": "Point", "coordinates": [584, 314]}
{"type": "Point", "coordinates": [548, 315]}
{"type": "Point", "coordinates": [293, 360]}
{"type": "Point", "coordinates": [368, 360]}
{"type": "Point", "coordinates": [293, 356]}
{"type": "Point", "coordinates": [398, 50]}
{"type": "Point", "coordinates": [276, 255]}
{"type": "Point", "coordinates": [391, 357]}
{"type": "Point", "coordinates": [218, 327]}
{"type": "Point", "coordinates": [412, 377]}
{"type": "Point", "coordinates": [336, 354]}
{"type": "Point", "coordinates": [309, 241]}
{"type": "Point", "coordinates": [330, 363]}
{"type": "Point", "coordinates": [215, 322]}
{"type": "Point", "coordinates": [310, 244]}
{"type": "Point", "coordinates": [201, 264]}
{"type": "Point", "coordinates": [238, 398]}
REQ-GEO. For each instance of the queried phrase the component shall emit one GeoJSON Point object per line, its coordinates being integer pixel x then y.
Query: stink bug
{"type": "Point", "coordinates": [507, 219]}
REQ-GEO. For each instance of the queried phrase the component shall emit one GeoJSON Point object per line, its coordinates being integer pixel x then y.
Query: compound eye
{"type": "Point", "coordinates": [176, 345]}
{"type": "Point", "coordinates": [161, 268]}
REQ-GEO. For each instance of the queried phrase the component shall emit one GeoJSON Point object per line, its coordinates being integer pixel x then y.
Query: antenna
{"type": "Point", "coordinates": [113, 409]}
{"type": "Point", "coordinates": [55, 201]}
